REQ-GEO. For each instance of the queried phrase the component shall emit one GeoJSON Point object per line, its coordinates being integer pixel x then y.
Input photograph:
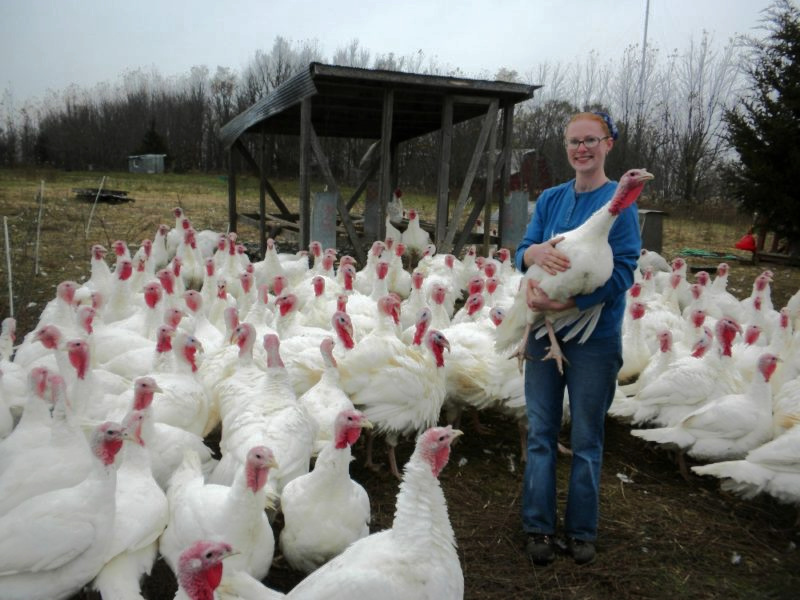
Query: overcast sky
{"type": "Point", "coordinates": [50, 44]}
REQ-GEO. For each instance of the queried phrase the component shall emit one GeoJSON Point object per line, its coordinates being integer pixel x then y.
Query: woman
{"type": "Point", "coordinates": [592, 366]}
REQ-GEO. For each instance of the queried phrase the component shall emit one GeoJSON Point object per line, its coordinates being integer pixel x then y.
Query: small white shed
{"type": "Point", "coordinates": [146, 163]}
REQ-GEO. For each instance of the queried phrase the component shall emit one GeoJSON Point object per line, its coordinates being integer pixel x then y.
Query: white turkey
{"type": "Point", "coordinates": [324, 510]}
{"type": "Point", "coordinates": [400, 388]}
{"type": "Point", "coordinates": [326, 398]}
{"type": "Point", "coordinates": [726, 427]}
{"type": "Point", "coordinates": [415, 238]}
{"type": "Point", "coordinates": [416, 557]}
{"type": "Point", "coordinates": [591, 263]}
{"type": "Point", "coordinates": [689, 382]}
{"type": "Point", "coordinates": [55, 543]}
{"type": "Point", "coordinates": [141, 513]}
{"type": "Point", "coordinates": [200, 510]}
{"type": "Point", "coordinates": [267, 413]}
{"type": "Point", "coordinates": [201, 577]}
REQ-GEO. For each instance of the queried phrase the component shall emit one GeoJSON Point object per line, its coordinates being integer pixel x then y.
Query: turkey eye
{"type": "Point", "coordinates": [209, 554]}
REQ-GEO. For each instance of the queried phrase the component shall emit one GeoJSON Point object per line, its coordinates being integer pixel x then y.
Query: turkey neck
{"type": "Point", "coordinates": [421, 510]}
{"type": "Point", "coordinates": [333, 465]}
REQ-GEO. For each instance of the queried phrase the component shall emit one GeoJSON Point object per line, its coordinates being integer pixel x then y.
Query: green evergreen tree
{"type": "Point", "coordinates": [764, 128]}
{"type": "Point", "coordinates": [152, 142]}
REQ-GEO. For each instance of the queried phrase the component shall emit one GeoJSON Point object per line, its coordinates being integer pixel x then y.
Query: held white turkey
{"type": "Point", "coordinates": [591, 264]}
{"type": "Point", "coordinates": [324, 511]}
{"type": "Point", "coordinates": [417, 557]}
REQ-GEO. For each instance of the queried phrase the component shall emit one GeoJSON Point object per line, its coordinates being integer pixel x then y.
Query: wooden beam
{"type": "Point", "coordinates": [508, 128]}
{"type": "Point", "coordinates": [373, 168]}
{"type": "Point", "coordinates": [466, 232]}
{"type": "Point", "coordinates": [305, 173]}
{"type": "Point", "coordinates": [489, 123]}
{"type": "Point", "coordinates": [262, 201]}
{"type": "Point", "coordinates": [384, 179]}
{"type": "Point", "coordinates": [443, 184]}
{"type": "Point", "coordinates": [489, 187]}
{"type": "Point", "coordinates": [267, 186]}
{"type": "Point", "coordinates": [333, 187]}
{"type": "Point", "coordinates": [232, 214]}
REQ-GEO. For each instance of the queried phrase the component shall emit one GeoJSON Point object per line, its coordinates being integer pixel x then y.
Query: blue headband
{"type": "Point", "coordinates": [612, 129]}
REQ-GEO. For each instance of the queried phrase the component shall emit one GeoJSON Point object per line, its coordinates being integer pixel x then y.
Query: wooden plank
{"type": "Point", "coordinates": [331, 181]}
{"type": "Point", "coordinates": [489, 123]}
{"type": "Point", "coordinates": [385, 172]}
{"type": "Point", "coordinates": [443, 184]}
{"type": "Point", "coordinates": [305, 173]}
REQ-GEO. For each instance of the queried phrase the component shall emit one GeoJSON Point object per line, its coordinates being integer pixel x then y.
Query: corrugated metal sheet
{"type": "Point", "coordinates": [348, 102]}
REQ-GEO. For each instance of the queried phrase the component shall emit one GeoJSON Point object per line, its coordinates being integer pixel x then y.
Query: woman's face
{"type": "Point", "coordinates": [582, 159]}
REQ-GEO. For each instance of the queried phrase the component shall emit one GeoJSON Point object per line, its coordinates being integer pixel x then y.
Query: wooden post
{"type": "Point", "coordinates": [443, 186]}
{"type": "Point", "coordinates": [489, 183]}
{"type": "Point", "coordinates": [262, 200]}
{"type": "Point", "coordinates": [384, 180]}
{"type": "Point", "coordinates": [233, 216]}
{"type": "Point", "coordinates": [508, 128]}
{"type": "Point", "coordinates": [8, 269]}
{"type": "Point", "coordinates": [305, 173]}
{"type": "Point", "coordinates": [489, 124]}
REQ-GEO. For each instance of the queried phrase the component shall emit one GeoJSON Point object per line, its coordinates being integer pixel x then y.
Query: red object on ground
{"type": "Point", "coordinates": [747, 242]}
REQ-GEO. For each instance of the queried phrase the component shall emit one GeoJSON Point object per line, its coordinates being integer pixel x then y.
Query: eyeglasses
{"type": "Point", "coordinates": [588, 142]}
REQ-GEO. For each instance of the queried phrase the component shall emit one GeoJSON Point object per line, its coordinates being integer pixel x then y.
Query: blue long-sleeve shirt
{"type": "Point", "coordinates": [558, 210]}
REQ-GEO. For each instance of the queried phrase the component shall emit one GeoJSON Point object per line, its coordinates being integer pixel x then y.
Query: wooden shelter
{"type": "Point", "coordinates": [390, 107]}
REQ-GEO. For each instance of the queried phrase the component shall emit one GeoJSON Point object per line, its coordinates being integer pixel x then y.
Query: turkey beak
{"type": "Point", "coordinates": [366, 424]}
{"type": "Point", "coordinates": [455, 433]}
{"type": "Point", "coordinates": [446, 344]}
{"type": "Point", "coordinates": [272, 463]}
{"type": "Point", "coordinates": [157, 389]}
{"type": "Point", "coordinates": [228, 553]}
{"type": "Point", "coordinates": [130, 435]}
{"type": "Point", "coordinates": [644, 176]}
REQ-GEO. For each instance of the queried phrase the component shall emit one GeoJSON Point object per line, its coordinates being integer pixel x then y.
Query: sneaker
{"type": "Point", "coordinates": [582, 551]}
{"type": "Point", "coordinates": [541, 548]}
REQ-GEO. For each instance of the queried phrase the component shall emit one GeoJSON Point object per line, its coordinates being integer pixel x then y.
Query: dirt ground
{"type": "Point", "coordinates": [660, 536]}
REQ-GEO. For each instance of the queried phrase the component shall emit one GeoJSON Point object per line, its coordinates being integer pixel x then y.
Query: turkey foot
{"type": "Point", "coordinates": [519, 353]}
{"type": "Point", "coordinates": [554, 351]}
{"type": "Point", "coordinates": [393, 463]}
{"type": "Point", "coordinates": [479, 427]}
{"type": "Point", "coordinates": [369, 464]}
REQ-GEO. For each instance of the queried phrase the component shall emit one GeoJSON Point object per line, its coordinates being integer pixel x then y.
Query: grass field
{"type": "Point", "coordinates": [661, 536]}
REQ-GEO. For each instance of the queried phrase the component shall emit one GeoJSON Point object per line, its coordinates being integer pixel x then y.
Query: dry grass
{"type": "Point", "coordinates": [661, 537]}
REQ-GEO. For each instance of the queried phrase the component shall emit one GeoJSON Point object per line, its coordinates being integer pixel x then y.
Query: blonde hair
{"type": "Point", "coordinates": [592, 117]}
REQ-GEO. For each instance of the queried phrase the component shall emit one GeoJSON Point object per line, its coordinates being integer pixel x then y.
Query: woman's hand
{"type": "Point", "coordinates": [538, 300]}
{"type": "Point", "coordinates": [547, 256]}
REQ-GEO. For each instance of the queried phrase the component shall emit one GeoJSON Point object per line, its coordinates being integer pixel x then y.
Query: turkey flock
{"type": "Point", "coordinates": [175, 402]}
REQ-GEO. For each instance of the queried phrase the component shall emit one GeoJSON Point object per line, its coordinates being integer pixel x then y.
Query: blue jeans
{"type": "Point", "coordinates": [590, 378]}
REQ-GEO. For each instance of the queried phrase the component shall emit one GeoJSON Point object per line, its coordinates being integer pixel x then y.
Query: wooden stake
{"type": "Point", "coordinates": [38, 230]}
{"type": "Point", "coordinates": [8, 266]}
{"type": "Point", "coordinates": [91, 214]}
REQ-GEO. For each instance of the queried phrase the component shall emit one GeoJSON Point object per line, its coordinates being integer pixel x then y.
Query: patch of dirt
{"type": "Point", "coordinates": [660, 536]}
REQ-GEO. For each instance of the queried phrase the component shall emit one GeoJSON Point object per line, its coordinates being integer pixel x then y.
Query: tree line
{"type": "Point", "coordinates": [678, 114]}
